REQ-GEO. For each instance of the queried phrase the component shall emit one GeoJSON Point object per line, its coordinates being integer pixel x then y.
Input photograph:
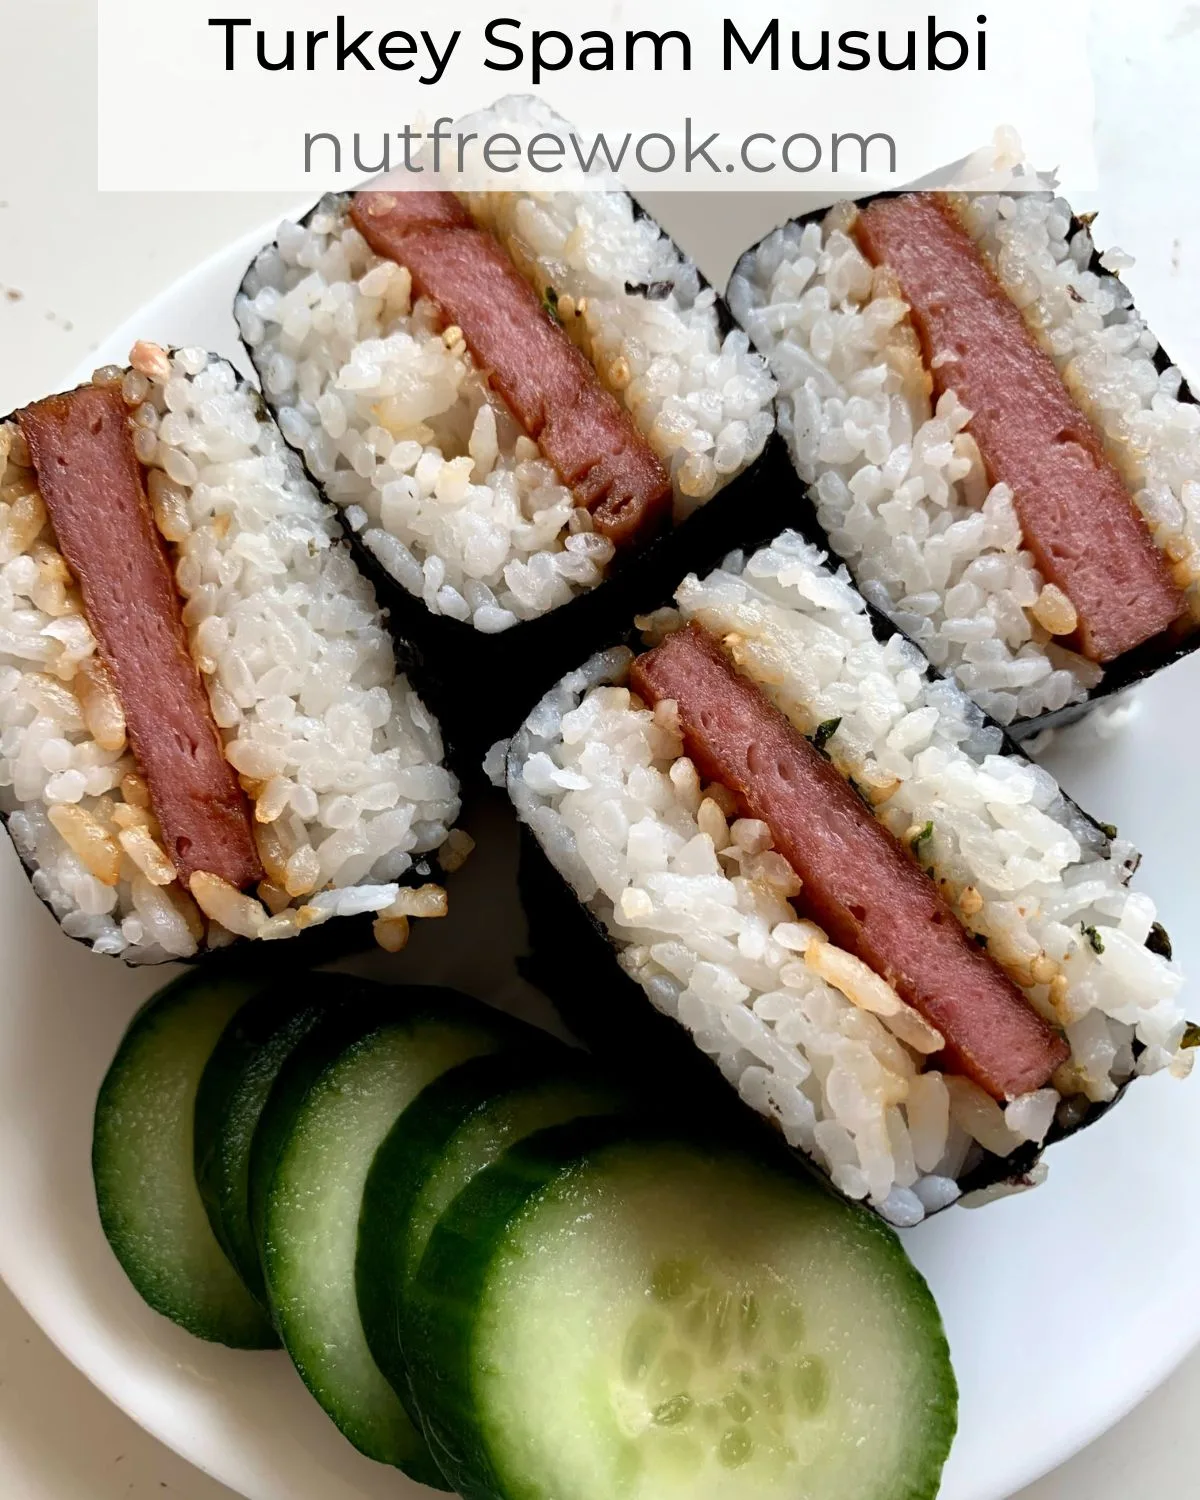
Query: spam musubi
{"type": "Point", "coordinates": [511, 397]}
{"type": "Point", "coordinates": [203, 731]}
{"type": "Point", "coordinates": [892, 933]}
{"type": "Point", "coordinates": [994, 441]}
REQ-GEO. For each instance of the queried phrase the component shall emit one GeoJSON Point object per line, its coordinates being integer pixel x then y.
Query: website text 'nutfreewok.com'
{"type": "Point", "coordinates": [693, 151]}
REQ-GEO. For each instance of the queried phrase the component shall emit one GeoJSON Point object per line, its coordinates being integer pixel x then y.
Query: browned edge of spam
{"type": "Point", "coordinates": [340, 936]}
{"type": "Point", "coordinates": [482, 686]}
{"type": "Point", "coordinates": [1126, 671]}
{"type": "Point", "coordinates": [573, 961]}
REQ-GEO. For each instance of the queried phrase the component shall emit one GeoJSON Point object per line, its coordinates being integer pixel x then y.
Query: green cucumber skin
{"type": "Point", "coordinates": [449, 1285]}
{"type": "Point", "coordinates": [451, 1281]}
{"type": "Point", "coordinates": [233, 1092]}
{"type": "Point", "coordinates": [238, 1322]}
{"type": "Point", "coordinates": [402, 1167]}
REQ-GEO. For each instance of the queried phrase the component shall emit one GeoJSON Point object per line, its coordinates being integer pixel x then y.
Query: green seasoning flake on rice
{"type": "Point", "coordinates": [825, 732]}
{"type": "Point", "coordinates": [1159, 941]}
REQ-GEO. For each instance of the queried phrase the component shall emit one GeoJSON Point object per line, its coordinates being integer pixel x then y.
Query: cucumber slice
{"type": "Point", "coordinates": [310, 1232]}
{"type": "Point", "coordinates": [142, 1153]}
{"type": "Point", "coordinates": [372, 1006]}
{"type": "Point", "coordinates": [454, 1129]}
{"type": "Point", "coordinates": [233, 1093]}
{"type": "Point", "coordinates": [606, 1313]}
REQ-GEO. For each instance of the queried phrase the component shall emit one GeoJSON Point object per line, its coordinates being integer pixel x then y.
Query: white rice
{"type": "Point", "coordinates": [401, 429]}
{"type": "Point", "coordinates": [901, 490]}
{"type": "Point", "coordinates": [342, 763]}
{"type": "Point", "coordinates": [700, 909]}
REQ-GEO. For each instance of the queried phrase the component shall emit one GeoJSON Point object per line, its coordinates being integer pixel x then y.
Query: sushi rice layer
{"type": "Point", "coordinates": [341, 762]}
{"type": "Point", "coordinates": [901, 490]}
{"type": "Point", "coordinates": [699, 904]}
{"type": "Point", "coordinates": [399, 427]}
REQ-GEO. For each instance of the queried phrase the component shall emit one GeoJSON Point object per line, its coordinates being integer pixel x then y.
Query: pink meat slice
{"type": "Point", "coordinates": [1077, 516]}
{"type": "Point", "coordinates": [859, 885]}
{"type": "Point", "coordinates": [549, 386]}
{"type": "Point", "coordinates": [91, 482]}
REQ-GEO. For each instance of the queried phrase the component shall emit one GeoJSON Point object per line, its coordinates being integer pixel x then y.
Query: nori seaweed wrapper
{"type": "Point", "coordinates": [573, 960]}
{"type": "Point", "coordinates": [481, 686]}
{"type": "Point", "coordinates": [1126, 671]}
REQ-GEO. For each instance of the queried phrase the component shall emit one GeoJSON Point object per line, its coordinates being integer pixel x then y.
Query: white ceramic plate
{"type": "Point", "coordinates": [1064, 1306]}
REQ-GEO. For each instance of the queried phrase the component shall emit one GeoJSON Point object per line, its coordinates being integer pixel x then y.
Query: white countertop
{"type": "Point", "coordinates": [74, 264]}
